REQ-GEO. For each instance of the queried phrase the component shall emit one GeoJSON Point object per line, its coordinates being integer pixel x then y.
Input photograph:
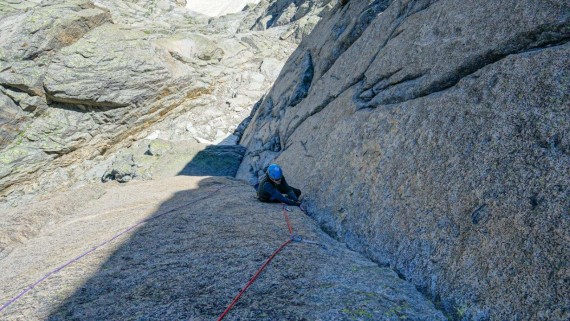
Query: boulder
{"type": "Point", "coordinates": [158, 147]}
{"type": "Point", "coordinates": [112, 66]}
{"type": "Point", "coordinates": [28, 39]}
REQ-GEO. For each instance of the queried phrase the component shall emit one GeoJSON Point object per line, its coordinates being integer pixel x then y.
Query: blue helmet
{"type": "Point", "coordinates": [274, 171]}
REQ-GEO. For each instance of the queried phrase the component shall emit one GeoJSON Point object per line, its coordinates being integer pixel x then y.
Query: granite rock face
{"type": "Point", "coordinates": [202, 240]}
{"type": "Point", "coordinates": [7, 6]}
{"type": "Point", "coordinates": [9, 120]}
{"type": "Point", "coordinates": [121, 70]}
{"type": "Point", "coordinates": [82, 80]}
{"type": "Point", "coordinates": [30, 38]}
{"type": "Point", "coordinates": [300, 16]}
{"type": "Point", "coordinates": [434, 136]}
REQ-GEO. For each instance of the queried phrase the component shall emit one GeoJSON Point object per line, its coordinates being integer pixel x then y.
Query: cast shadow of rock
{"type": "Point", "coordinates": [177, 265]}
{"type": "Point", "coordinates": [215, 160]}
{"type": "Point", "coordinates": [156, 159]}
{"type": "Point", "coordinates": [166, 268]}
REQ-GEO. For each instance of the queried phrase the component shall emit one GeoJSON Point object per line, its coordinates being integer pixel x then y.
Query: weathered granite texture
{"type": "Point", "coordinates": [121, 70]}
{"type": "Point", "coordinates": [81, 80]}
{"type": "Point", "coordinates": [299, 16]}
{"type": "Point", "coordinates": [7, 6]}
{"type": "Point", "coordinates": [204, 238]}
{"type": "Point", "coordinates": [29, 38]}
{"type": "Point", "coordinates": [434, 136]}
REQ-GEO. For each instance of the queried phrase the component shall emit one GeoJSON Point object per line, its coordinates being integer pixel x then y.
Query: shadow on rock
{"type": "Point", "coordinates": [215, 160]}
{"type": "Point", "coordinates": [202, 245]}
{"type": "Point", "coordinates": [181, 264]}
{"type": "Point", "coordinates": [155, 159]}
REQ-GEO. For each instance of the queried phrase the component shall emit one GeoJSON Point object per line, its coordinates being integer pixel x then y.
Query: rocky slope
{"type": "Point", "coordinates": [202, 240]}
{"type": "Point", "coordinates": [81, 80]}
{"type": "Point", "coordinates": [434, 137]}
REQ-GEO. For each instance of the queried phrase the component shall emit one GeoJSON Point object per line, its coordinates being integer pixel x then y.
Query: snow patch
{"type": "Point", "coordinates": [213, 8]}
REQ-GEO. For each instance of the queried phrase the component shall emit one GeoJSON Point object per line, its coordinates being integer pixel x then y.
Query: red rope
{"type": "Point", "coordinates": [253, 279]}
{"type": "Point", "coordinates": [262, 267]}
{"type": "Point", "coordinates": [287, 219]}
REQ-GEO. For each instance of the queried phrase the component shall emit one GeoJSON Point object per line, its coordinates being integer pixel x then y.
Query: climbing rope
{"type": "Point", "coordinates": [292, 238]}
{"type": "Point", "coordinates": [234, 301]}
{"type": "Point", "coordinates": [253, 279]}
{"type": "Point", "coordinates": [285, 210]}
{"type": "Point", "coordinates": [84, 254]}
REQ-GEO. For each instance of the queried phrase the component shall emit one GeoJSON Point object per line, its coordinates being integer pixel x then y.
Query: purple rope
{"type": "Point", "coordinates": [29, 288]}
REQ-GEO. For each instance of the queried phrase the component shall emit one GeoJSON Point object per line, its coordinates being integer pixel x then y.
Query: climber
{"type": "Point", "coordinates": [274, 188]}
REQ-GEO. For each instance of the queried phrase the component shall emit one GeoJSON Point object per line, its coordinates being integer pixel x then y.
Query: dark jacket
{"type": "Point", "coordinates": [269, 191]}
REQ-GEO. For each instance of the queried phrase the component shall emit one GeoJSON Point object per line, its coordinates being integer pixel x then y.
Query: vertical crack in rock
{"type": "Point", "coordinates": [499, 129]}
{"type": "Point", "coordinates": [480, 214]}
{"type": "Point", "coordinates": [297, 120]}
{"type": "Point", "coordinates": [304, 84]}
{"type": "Point", "coordinates": [419, 85]}
{"type": "Point", "coordinates": [417, 6]}
{"type": "Point", "coordinates": [413, 7]}
{"type": "Point", "coordinates": [365, 18]}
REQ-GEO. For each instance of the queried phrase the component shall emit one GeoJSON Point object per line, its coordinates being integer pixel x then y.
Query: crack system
{"type": "Point", "coordinates": [380, 93]}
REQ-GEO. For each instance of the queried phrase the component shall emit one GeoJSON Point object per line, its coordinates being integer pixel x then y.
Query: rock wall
{"type": "Point", "coordinates": [299, 16]}
{"type": "Point", "coordinates": [434, 136]}
{"type": "Point", "coordinates": [81, 80]}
